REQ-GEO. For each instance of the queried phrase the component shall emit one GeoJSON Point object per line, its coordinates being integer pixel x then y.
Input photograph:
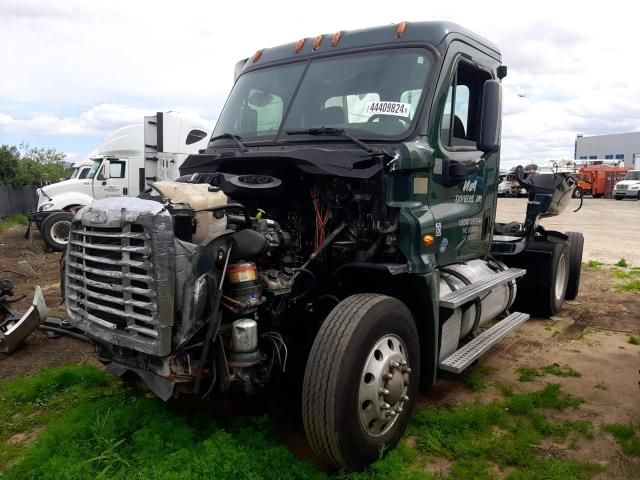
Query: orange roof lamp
{"type": "Point", "coordinates": [336, 39]}
{"type": "Point", "coordinates": [316, 42]}
{"type": "Point", "coordinates": [257, 55]}
{"type": "Point", "coordinates": [300, 45]}
{"type": "Point", "coordinates": [402, 27]}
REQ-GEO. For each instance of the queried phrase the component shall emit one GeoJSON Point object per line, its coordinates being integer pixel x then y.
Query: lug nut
{"type": "Point", "coordinates": [392, 413]}
{"type": "Point", "coordinates": [387, 376]}
{"type": "Point", "coordinates": [398, 409]}
{"type": "Point", "coordinates": [393, 364]}
{"type": "Point", "coordinates": [406, 369]}
{"type": "Point", "coordinates": [404, 398]}
{"type": "Point", "coordinates": [385, 406]}
{"type": "Point", "coordinates": [403, 363]}
{"type": "Point", "coordinates": [384, 391]}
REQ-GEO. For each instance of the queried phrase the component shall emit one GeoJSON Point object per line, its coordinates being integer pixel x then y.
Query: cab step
{"type": "Point", "coordinates": [470, 352]}
{"type": "Point", "coordinates": [475, 290]}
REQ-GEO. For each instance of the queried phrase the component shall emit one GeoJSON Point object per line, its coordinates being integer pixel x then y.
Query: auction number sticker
{"type": "Point", "coordinates": [398, 109]}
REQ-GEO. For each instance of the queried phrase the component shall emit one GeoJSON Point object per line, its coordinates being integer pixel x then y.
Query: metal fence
{"type": "Point", "coordinates": [16, 199]}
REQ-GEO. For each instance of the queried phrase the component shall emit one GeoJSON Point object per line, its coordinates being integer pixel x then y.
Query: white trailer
{"type": "Point", "coordinates": [128, 159]}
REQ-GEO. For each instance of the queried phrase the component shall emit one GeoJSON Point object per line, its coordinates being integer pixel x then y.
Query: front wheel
{"type": "Point", "coordinates": [361, 380]}
{"type": "Point", "coordinates": [55, 230]}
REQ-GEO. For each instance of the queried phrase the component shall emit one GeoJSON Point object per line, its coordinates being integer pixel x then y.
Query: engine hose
{"type": "Point", "coordinates": [62, 331]}
{"type": "Point", "coordinates": [581, 200]}
{"type": "Point", "coordinates": [308, 290]}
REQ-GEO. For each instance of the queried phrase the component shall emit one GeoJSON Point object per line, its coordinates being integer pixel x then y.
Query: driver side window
{"type": "Point", "coordinates": [460, 124]}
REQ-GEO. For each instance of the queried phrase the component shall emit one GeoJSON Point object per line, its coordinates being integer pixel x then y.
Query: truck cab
{"type": "Point", "coordinates": [126, 161]}
{"type": "Point", "coordinates": [628, 187]}
{"type": "Point", "coordinates": [349, 193]}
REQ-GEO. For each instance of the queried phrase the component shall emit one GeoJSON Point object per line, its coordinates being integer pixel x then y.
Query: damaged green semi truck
{"type": "Point", "coordinates": [339, 231]}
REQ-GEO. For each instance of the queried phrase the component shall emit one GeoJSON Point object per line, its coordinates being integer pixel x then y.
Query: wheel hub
{"type": "Point", "coordinates": [383, 385]}
{"type": "Point", "coordinates": [60, 231]}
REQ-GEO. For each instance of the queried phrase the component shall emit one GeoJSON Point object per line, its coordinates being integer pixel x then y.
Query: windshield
{"type": "Point", "coordinates": [634, 175]}
{"type": "Point", "coordinates": [84, 172]}
{"type": "Point", "coordinates": [94, 168]}
{"type": "Point", "coordinates": [373, 95]}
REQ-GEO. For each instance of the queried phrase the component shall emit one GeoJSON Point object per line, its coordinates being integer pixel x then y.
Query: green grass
{"type": "Point", "coordinates": [476, 378]}
{"type": "Point", "coordinates": [13, 221]}
{"type": "Point", "coordinates": [622, 263]}
{"type": "Point", "coordinates": [528, 374]}
{"type": "Point", "coordinates": [593, 264]}
{"type": "Point", "coordinates": [98, 429]}
{"type": "Point", "coordinates": [630, 287]}
{"type": "Point", "coordinates": [633, 340]}
{"type": "Point", "coordinates": [626, 437]}
{"type": "Point", "coordinates": [560, 370]}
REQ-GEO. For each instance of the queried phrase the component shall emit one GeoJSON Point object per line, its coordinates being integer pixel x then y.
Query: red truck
{"type": "Point", "coordinates": [598, 180]}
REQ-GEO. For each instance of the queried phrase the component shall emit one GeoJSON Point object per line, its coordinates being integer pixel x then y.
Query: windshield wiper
{"type": "Point", "coordinates": [340, 132]}
{"type": "Point", "coordinates": [235, 138]}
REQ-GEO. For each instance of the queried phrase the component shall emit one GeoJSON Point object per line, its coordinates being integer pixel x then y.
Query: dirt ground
{"type": "Point", "coordinates": [29, 266]}
{"type": "Point", "coordinates": [591, 336]}
{"type": "Point", "coordinates": [611, 228]}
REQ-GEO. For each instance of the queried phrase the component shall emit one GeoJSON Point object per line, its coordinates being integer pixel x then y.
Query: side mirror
{"type": "Point", "coordinates": [491, 120]}
{"type": "Point", "coordinates": [103, 174]}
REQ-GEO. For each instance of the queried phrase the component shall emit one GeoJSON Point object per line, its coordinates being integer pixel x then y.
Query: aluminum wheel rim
{"type": "Point", "coordinates": [561, 277]}
{"type": "Point", "coordinates": [384, 384]}
{"type": "Point", "coordinates": [60, 231]}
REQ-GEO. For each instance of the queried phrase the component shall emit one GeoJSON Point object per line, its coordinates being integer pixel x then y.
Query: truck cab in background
{"type": "Point", "coordinates": [128, 159]}
{"type": "Point", "coordinates": [628, 187]}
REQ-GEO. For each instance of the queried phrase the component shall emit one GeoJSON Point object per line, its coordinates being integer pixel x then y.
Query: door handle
{"type": "Point", "coordinates": [125, 190]}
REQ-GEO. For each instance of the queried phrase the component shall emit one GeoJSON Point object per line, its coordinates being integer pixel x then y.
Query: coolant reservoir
{"type": "Point", "coordinates": [199, 197]}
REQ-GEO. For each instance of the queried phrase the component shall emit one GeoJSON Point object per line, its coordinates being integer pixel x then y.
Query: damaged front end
{"type": "Point", "coordinates": [139, 292]}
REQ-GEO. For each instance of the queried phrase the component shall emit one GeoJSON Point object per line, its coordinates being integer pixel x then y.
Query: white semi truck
{"type": "Point", "coordinates": [128, 159]}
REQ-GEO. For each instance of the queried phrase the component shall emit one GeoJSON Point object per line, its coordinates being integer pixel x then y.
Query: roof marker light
{"type": "Point", "coordinates": [300, 45]}
{"type": "Point", "coordinates": [257, 55]}
{"type": "Point", "coordinates": [316, 42]}
{"type": "Point", "coordinates": [402, 26]}
{"type": "Point", "coordinates": [336, 38]}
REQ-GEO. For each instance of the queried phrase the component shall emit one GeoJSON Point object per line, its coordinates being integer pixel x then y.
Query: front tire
{"type": "Point", "coordinates": [55, 230]}
{"type": "Point", "coordinates": [361, 380]}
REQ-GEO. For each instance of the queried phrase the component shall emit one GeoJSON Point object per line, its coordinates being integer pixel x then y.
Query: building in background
{"type": "Point", "coordinates": [618, 146]}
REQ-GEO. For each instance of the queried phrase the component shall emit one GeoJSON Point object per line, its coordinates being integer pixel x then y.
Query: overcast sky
{"type": "Point", "coordinates": [72, 71]}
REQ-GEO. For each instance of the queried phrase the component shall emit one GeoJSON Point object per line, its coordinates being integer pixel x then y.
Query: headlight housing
{"type": "Point", "coordinates": [634, 187]}
{"type": "Point", "coordinates": [47, 206]}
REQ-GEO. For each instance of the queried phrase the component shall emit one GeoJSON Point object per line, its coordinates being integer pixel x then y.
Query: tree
{"type": "Point", "coordinates": [8, 164]}
{"type": "Point", "coordinates": [31, 166]}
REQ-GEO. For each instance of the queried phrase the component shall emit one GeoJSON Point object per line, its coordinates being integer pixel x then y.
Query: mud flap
{"type": "Point", "coordinates": [23, 326]}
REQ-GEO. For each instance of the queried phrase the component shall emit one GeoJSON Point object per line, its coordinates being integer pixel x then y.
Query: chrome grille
{"type": "Point", "coordinates": [622, 187]}
{"type": "Point", "coordinates": [117, 284]}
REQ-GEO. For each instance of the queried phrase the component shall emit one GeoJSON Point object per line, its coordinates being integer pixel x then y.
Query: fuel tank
{"type": "Point", "coordinates": [463, 320]}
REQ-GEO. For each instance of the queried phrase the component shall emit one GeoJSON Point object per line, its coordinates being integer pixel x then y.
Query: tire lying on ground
{"type": "Point", "coordinates": [576, 243]}
{"type": "Point", "coordinates": [361, 380]}
{"type": "Point", "coordinates": [55, 230]}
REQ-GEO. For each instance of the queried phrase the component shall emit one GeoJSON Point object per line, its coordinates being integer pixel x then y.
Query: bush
{"type": "Point", "coordinates": [31, 166]}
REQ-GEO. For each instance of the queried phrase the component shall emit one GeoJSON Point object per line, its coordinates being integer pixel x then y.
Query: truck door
{"type": "Point", "coordinates": [117, 183]}
{"type": "Point", "coordinates": [464, 178]}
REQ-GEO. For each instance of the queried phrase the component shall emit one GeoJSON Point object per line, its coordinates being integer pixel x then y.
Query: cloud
{"type": "Point", "coordinates": [99, 120]}
{"type": "Point", "coordinates": [91, 67]}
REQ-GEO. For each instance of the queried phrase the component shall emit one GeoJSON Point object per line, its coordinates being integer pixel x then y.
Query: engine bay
{"type": "Point", "coordinates": [281, 238]}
